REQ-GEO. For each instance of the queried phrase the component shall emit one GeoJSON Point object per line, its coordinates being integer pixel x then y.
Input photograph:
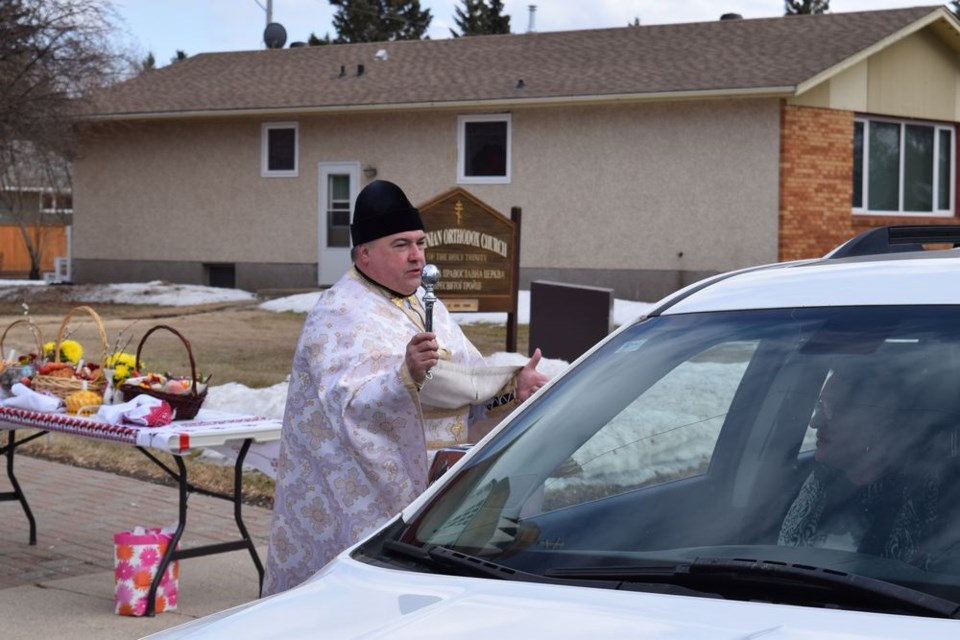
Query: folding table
{"type": "Point", "coordinates": [233, 434]}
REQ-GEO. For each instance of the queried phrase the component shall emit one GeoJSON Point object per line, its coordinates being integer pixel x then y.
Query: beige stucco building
{"type": "Point", "coordinates": [643, 158]}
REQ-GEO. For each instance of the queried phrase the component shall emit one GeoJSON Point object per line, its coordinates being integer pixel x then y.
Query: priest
{"type": "Point", "coordinates": [373, 394]}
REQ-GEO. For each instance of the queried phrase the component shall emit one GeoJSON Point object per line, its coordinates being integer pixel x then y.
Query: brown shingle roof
{"type": "Point", "coordinates": [773, 54]}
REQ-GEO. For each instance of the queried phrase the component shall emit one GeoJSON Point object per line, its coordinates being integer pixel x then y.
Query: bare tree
{"type": "Point", "coordinates": [36, 189]}
{"type": "Point", "coordinates": [53, 55]}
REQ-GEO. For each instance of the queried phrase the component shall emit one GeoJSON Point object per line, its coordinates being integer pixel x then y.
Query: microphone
{"type": "Point", "coordinates": [428, 278]}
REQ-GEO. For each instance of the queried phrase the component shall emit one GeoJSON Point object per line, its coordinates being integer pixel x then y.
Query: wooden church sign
{"type": "Point", "coordinates": [477, 251]}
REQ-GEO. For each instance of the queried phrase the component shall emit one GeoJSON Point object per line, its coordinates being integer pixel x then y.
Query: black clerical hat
{"type": "Point", "coordinates": [382, 209]}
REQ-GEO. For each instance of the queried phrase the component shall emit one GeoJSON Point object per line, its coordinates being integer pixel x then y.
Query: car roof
{"type": "Point", "coordinates": [883, 266]}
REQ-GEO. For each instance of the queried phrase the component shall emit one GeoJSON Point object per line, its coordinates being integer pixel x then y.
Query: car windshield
{"type": "Point", "coordinates": [812, 437]}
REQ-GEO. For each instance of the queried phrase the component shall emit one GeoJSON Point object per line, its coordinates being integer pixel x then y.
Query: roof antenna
{"type": "Point", "coordinates": [533, 11]}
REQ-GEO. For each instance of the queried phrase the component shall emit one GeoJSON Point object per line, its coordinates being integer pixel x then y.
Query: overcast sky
{"type": "Point", "coordinates": [162, 27]}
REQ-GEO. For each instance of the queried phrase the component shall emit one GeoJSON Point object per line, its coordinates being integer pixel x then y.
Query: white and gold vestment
{"type": "Point", "coordinates": [356, 440]}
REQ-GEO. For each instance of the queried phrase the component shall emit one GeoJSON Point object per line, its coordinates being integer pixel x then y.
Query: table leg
{"type": "Point", "coordinates": [168, 555]}
{"type": "Point", "coordinates": [172, 553]}
{"type": "Point", "coordinates": [17, 493]}
{"type": "Point", "coordinates": [238, 510]}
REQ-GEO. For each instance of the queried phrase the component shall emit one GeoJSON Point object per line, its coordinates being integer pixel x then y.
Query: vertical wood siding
{"type": "Point", "coordinates": [14, 259]}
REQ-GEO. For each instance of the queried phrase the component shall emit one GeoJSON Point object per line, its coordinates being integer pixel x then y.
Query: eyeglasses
{"type": "Point", "coordinates": [830, 410]}
{"type": "Point", "coordinates": [824, 410]}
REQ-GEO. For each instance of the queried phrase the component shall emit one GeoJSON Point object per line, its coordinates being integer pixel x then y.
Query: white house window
{"type": "Point", "coordinates": [903, 168]}
{"type": "Point", "coordinates": [280, 150]}
{"type": "Point", "coordinates": [483, 149]}
{"type": "Point", "coordinates": [51, 202]}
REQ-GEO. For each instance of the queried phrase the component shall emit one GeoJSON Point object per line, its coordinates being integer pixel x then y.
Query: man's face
{"type": "Point", "coordinates": [845, 428]}
{"type": "Point", "coordinates": [395, 261]}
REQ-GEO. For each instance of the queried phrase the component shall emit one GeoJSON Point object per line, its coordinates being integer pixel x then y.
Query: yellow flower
{"type": "Point", "coordinates": [123, 364]}
{"type": "Point", "coordinates": [114, 360]}
{"type": "Point", "coordinates": [70, 351]}
{"type": "Point", "coordinates": [120, 373]}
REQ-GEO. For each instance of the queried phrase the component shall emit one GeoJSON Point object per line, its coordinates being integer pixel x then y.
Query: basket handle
{"type": "Point", "coordinates": [186, 343]}
{"type": "Point", "coordinates": [100, 329]}
{"type": "Point", "coordinates": [33, 329]}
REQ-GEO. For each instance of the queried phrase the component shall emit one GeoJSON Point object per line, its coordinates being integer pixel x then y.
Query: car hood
{"type": "Point", "coordinates": [354, 600]}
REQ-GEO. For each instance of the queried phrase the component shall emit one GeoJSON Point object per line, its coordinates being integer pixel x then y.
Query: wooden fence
{"type": "Point", "coordinates": [14, 259]}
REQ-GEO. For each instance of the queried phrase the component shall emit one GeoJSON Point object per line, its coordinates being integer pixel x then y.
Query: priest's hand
{"type": "Point", "coordinates": [529, 380]}
{"type": "Point", "coordinates": [423, 353]}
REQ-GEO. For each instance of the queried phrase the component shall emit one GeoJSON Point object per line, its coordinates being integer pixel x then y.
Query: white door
{"type": "Point", "coordinates": [339, 183]}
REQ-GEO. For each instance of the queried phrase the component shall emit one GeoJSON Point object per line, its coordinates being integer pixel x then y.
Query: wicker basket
{"type": "Point", "coordinates": [185, 405]}
{"type": "Point", "coordinates": [34, 330]}
{"type": "Point", "coordinates": [11, 371]}
{"type": "Point", "coordinates": [63, 387]}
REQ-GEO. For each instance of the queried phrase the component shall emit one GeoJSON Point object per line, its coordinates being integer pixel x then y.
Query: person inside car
{"type": "Point", "coordinates": [863, 495]}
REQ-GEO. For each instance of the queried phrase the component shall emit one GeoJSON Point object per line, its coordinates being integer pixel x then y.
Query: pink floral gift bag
{"type": "Point", "coordinates": [137, 556]}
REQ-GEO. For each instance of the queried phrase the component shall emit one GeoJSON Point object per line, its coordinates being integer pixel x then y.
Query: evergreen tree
{"type": "Point", "coordinates": [379, 20]}
{"type": "Point", "coordinates": [314, 41]}
{"type": "Point", "coordinates": [497, 22]}
{"type": "Point", "coordinates": [476, 18]}
{"type": "Point", "coordinates": [468, 18]}
{"type": "Point", "coordinates": [956, 7]}
{"type": "Point", "coordinates": [803, 7]}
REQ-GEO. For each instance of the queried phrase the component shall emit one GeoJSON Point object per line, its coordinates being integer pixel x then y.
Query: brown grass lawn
{"type": "Point", "coordinates": [231, 342]}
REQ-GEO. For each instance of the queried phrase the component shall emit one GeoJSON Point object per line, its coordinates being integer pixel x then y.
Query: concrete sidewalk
{"type": "Point", "coordinates": [63, 586]}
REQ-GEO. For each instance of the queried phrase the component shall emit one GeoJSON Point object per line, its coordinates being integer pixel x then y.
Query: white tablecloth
{"type": "Point", "coordinates": [221, 431]}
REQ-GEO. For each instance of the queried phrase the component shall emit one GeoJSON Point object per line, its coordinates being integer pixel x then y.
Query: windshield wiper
{"type": "Point", "coordinates": [445, 560]}
{"type": "Point", "coordinates": [751, 579]}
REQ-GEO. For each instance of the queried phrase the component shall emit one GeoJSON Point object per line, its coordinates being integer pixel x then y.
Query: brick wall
{"type": "Point", "coordinates": [816, 184]}
{"type": "Point", "coordinates": [816, 180]}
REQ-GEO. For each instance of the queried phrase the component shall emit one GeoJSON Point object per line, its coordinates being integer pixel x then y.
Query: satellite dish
{"type": "Point", "coordinates": [274, 36]}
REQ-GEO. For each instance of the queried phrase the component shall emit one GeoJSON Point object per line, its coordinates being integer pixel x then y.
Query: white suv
{"type": "Point", "coordinates": [769, 453]}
